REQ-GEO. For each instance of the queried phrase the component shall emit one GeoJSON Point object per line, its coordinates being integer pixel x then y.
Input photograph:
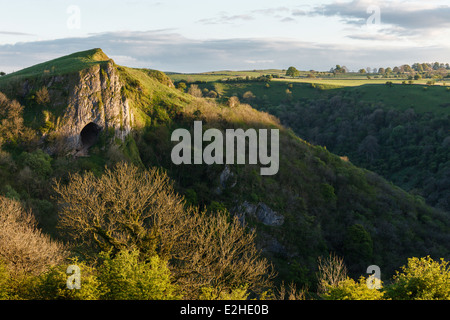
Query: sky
{"type": "Point", "coordinates": [199, 35]}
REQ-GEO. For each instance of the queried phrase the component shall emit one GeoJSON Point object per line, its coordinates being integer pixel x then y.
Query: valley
{"type": "Point", "coordinates": [363, 173]}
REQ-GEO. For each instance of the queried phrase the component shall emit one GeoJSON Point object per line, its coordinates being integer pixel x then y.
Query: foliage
{"type": "Point", "coordinates": [233, 102]}
{"type": "Point", "coordinates": [25, 248]}
{"type": "Point", "coordinates": [123, 209]}
{"type": "Point", "coordinates": [421, 279]}
{"type": "Point", "coordinates": [292, 72]}
{"type": "Point", "coordinates": [127, 209]}
{"type": "Point", "coordinates": [12, 127]}
{"type": "Point", "coordinates": [42, 96]}
{"type": "Point", "coordinates": [126, 277]}
{"type": "Point", "coordinates": [39, 162]}
{"type": "Point", "coordinates": [358, 247]}
{"type": "Point", "coordinates": [52, 285]}
{"type": "Point", "coordinates": [331, 272]}
{"type": "Point", "coordinates": [404, 146]}
{"type": "Point", "coordinates": [350, 289]}
{"type": "Point", "coordinates": [4, 282]}
{"type": "Point", "coordinates": [209, 293]}
{"type": "Point", "coordinates": [195, 91]}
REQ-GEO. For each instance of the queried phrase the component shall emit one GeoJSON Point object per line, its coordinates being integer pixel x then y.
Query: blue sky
{"type": "Point", "coordinates": [199, 35]}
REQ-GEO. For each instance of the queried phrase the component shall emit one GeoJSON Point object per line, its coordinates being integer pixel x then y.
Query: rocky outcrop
{"type": "Point", "coordinates": [95, 99]}
{"type": "Point", "coordinates": [227, 179]}
{"type": "Point", "coordinates": [262, 212]}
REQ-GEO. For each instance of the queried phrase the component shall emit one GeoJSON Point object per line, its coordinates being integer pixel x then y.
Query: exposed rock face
{"type": "Point", "coordinates": [227, 179]}
{"type": "Point", "coordinates": [260, 211]}
{"type": "Point", "coordinates": [95, 99]}
{"type": "Point", "coordinates": [270, 244]}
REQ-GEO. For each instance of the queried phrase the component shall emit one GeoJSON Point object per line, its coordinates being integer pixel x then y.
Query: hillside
{"type": "Point", "coordinates": [399, 131]}
{"type": "Point", "coordinates": [317, 203]}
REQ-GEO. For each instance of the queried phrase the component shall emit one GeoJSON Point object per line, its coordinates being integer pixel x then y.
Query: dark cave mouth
{"type": "Point", "coordinates": [89, 134]}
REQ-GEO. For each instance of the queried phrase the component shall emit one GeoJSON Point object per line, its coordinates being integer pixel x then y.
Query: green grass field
{"type": "Point", "coordinates": [419, 95]}
{"type": "Point", "coordinates": [222, 75]}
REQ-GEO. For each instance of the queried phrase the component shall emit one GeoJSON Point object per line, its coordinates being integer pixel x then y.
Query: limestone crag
{"type": "Point", "coordinates": [262, 212]}
{"type": "Point", "coordinates": [95, 98]}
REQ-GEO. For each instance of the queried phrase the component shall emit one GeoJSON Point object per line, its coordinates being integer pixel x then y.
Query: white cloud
{"type": "Point", "coordinates": [412, 18]}
{"type": "Point", "coordinates": [169, 51]}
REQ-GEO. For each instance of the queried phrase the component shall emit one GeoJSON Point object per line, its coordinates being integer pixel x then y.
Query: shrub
{"type": "Point", "coordinates": [42, 96]}
{"type": "Point", "coordinates": [248, 96]}
{"type": "Point", "coordinates": [233, 102]}
{"type": "Point", "coordinates": [349, 289]}
{"type": "Point", "coordinates": [212, 94]}
{"type": "Point", "coordinates": [39, 162]}
{"type": "Point", "coordinates": [421, 279]}
{"type": "Point", "coordinates": [11, 116]}
{"type": "Point", "coordinates": [52, 285]}
{"type": "Point", "coordinates": [125, 277]}
{"type": "Point", "coordinates": [4, 282]}
{"type": "Point", "coordinates": [195, 91]}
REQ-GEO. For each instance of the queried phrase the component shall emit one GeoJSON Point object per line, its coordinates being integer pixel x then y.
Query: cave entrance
{"type": "Point", "coordinates": [89, 134]}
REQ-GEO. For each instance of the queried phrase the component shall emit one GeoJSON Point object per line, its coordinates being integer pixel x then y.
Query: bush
{"type": "Point", "coordinates": [4, 282]}
{"type": "Point", "coordinates": [39, 162]}
{"type": "Point", "coordinates": [195, 91]}
{"type": "Point", "coordinates": [125, 277]}
{"type": "Point", "coordinates": [421, 279]}
{"type": "Point", "coordinates": [212, 94]}
{"type": "Point", "coordinates": [42, 96]}
{"type": "Point", "coordinates": [248, 96]}
{"type": "Point", "coordinates": [233, 102]}
{"type": "Point", "coordinates": [52, 285]}
{"type": "Point", "coordinates": [349, 289]}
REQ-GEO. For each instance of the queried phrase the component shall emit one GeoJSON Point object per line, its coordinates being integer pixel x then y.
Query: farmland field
{"type": "Point", "coordinates": [402, 95]}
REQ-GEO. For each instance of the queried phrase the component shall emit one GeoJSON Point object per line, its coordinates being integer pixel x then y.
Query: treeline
{"type": "Point", "coordinates": [427, 69]}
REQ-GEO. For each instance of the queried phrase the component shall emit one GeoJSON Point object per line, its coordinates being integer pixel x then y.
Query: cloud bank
{"type": "Point", "coordinates": [169, 51]}
{"type": "Point", "coordinates": [409, 18]}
